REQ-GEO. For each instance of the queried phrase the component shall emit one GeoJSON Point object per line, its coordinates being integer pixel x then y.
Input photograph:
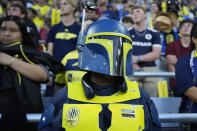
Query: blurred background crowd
{"type": "Point", "coordinates": [162, 31]}
{"type": "Point", "coordinates": [44, 15]}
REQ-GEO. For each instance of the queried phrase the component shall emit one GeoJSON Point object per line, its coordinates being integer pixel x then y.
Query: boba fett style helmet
{"type": "Point", "coordinates": [106, 48]}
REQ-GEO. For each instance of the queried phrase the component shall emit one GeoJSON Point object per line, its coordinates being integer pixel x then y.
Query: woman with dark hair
{"type": "Point", "coordinates": [22, 69]}
{"type": "Point", "coordinates": [186, 79]}
{"type": "Point", "coordinates": [24, 29]}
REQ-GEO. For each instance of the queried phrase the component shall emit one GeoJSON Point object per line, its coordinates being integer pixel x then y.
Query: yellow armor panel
{"type": "Point", "coordinates": [69, 76]}
{"type": "Point", "coordinates": [81, 117]}
{"type": "Point", "coordinates": [71, 55]}
{"type": "Point", "coordinates": [125, 117]}
{"type": "Point", "coordinates": [76, 117]}
{"type": "Point", "coordinates": [72, 76]}
{"type": "Point", "coordinates": [60, 79]}
{"type": "Point", "coordinates": [126, 47]}
{"type": "Point", "coordinates": [76, 87]}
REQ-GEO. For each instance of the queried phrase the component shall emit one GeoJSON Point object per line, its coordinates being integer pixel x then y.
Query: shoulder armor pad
{"type": "Point", "coordinates": [47, 116]}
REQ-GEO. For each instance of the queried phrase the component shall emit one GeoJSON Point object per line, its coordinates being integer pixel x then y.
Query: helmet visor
{"type": "Point", "coordinates": [117, 54]}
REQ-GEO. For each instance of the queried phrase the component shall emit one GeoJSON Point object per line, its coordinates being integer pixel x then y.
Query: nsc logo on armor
{"type": "Point", "coordinates": [72, 116]}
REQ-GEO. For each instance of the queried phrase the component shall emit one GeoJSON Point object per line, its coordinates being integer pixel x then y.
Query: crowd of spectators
{"type": "Point", "coordinates": [54, 23]}
{"type": "Point", "coordinates": [159, 29]}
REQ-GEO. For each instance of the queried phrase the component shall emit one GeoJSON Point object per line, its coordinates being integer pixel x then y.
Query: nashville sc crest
{"type": "Point", "coordinates": [72, 116]}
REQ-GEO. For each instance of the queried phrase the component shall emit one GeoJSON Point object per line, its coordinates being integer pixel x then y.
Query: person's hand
{"type": "Point", "coordinates": [136, 67]}
{"type": "Point", "coordinates": [6, 59]}
{"type": "Point", "coordinates": [134, 59]}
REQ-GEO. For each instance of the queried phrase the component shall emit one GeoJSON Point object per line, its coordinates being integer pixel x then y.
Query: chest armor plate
{"type": "Point", "coordinates": [78, 117]}
{"type": "Point", "coordinates": [87, 117]}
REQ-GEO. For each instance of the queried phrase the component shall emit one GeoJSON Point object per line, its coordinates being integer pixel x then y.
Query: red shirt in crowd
{"type": "Point", "coordinates": [175, 48]}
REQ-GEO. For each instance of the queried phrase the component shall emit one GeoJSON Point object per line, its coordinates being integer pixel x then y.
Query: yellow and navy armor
{"type": "Point", "coordinates": [106, 49]}
{"type": "Point", "coordinates": [84, 105]}
{"type": "Point", "coordinates": [72, 73]}
{"type": "Point", "coordinates": [109, 110]}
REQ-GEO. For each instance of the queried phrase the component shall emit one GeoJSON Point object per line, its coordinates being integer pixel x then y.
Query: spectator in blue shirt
{"type": "Point", "coordinates": [146, 49]}
{"type": "Point", "coordinates": [186, 76]}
